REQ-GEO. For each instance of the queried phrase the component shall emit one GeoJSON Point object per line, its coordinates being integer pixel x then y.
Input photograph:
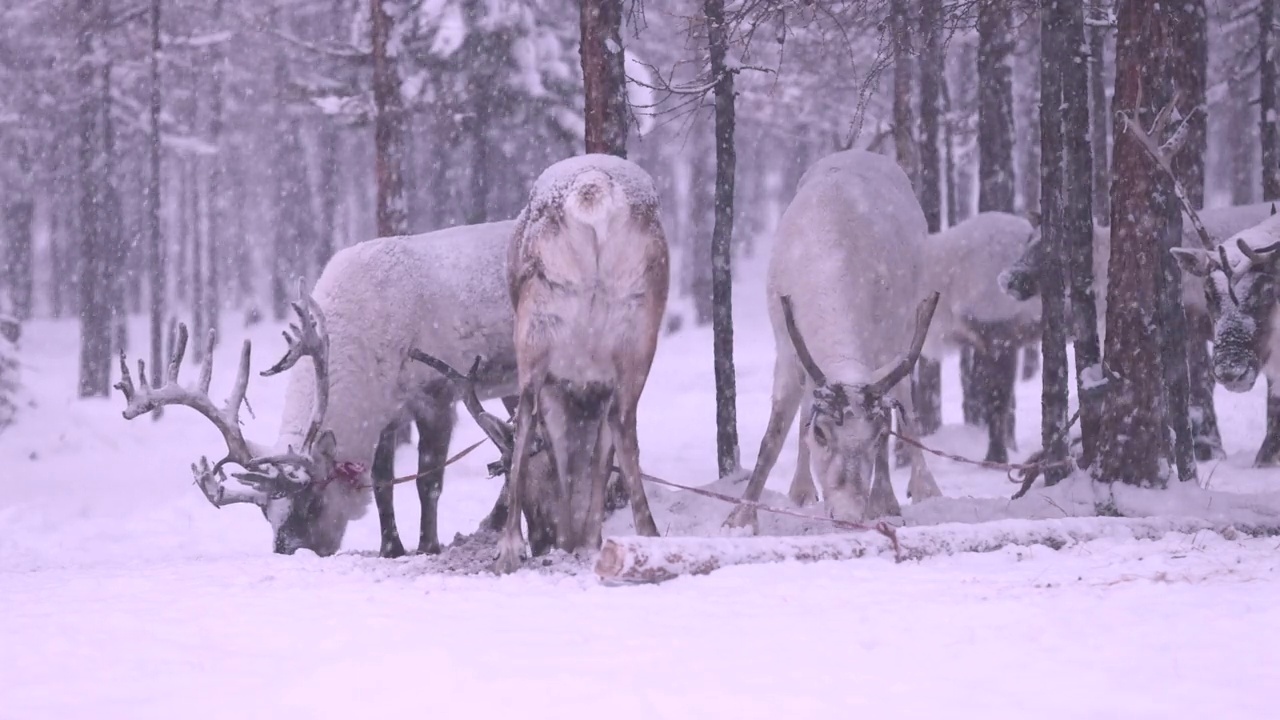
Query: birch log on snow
{"type": "Point", "coordinates": [630, 560]}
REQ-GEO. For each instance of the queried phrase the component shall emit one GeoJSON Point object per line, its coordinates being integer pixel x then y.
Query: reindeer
{"type": "Point", "coordinates": [963, 263]}
{"type": "Point", "coordinates": [844, 274]}
{"type": "Point", "coordinates": [1021, 281]}
{"type": "Point", "coordinates": [373, 303]}
{"type": "Point", "coordinates": [588, 274]}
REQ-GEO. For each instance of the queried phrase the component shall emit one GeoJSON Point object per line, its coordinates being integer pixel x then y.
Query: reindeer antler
{"type": "Point", "coordinates": [1162, 154]}
{"type": "Point", "coordinates": [143, 398]}
{"type": "Point", "coordinates": [500, 432]}
{"type": "Point", "coordinates": [924, 316]}
{"type": "Point", "coordinates": [308, 338]}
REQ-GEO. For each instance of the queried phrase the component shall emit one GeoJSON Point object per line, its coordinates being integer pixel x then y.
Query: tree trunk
{"type": "Point", "coordinates": [1189, 67]}
{"type": "Point", "coordinates": [388, 128]}
{"type": "Point", "coordinates": [95, 310]}
{"type": "Point", "coordinates": [904, 139]}
{"type": "Point", "coordinates": [1242, 132]}
{"type": "Point", "coordinates": [604, 77]}
{"type": "Point", "coordinates": [217, 167]}
{"type": "Point", "coordinates": [928, 380]}
{"type": "Point", "coordinates": [722, 243]}
{"type": "Point", "coordinates": [18, 215]}
{"type": "Point", "coordinates": [198, 248]}
{"type": "Point", "coordinates": [1098, 118]}
{"type": "Point", "coordinates": [1027, 117]}
{"type": "Point", "coordinates": [1077, 223]}
{"type": "Point", "coordinates": [995, 175]}
{"type": "Point", "coordinates": [699, 242]}
{"type": "Point", "coordinates": [1132, 436]}
{"type": "Point", "coordinates": [1054, 53]}
{"type": "Point", "coordinates": [155, 245]}
{"type": "Point", "coordinates": [995, 107]}
{"type": "Point", "coordinates": [1267, 103]}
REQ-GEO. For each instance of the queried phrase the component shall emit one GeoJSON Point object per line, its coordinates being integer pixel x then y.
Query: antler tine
{"type": "Point", "coordinates": [206, 367]}
{"type": "Point", "coordinates": [310, 338]}
{"type": "Point", "coordinates": [1163, 161]}
{"type": "Point", "coordinates": [797, 341]}
{"type": "Point", "coordinates": [924, 317]}
{"type": "Point", "coordinates": [143, 398]}
{"type": "Point", "coordinates": [498, 431]}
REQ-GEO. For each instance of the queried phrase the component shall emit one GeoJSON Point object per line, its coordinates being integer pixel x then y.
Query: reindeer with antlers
{"type": "Point", "coordinates": [352, 381]}
{"type": "Point", "coordinates": [843, 278]}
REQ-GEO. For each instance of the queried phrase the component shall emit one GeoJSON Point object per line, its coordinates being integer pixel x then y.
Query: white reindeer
{"type": "Point", "coordinates": [441, 292]}
{"type": "Point", "coordinates": [845, 273]}
{"type": "Point", "coordinates": [963, 263]}
{"type": "Point", "coordinates": [588, 274]}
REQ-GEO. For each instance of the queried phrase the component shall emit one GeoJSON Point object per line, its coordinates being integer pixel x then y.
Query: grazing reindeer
{"type": "Point", "coordinates": [588, 274]}
{"type": "Point", "coordinates": [844, 276]}
{"type": "Point", "coordinates": [1021, 281]}
{"type": "Point", "coordinates": [374, 302]}
{"type": "Point", "coordinates": [963, 263]}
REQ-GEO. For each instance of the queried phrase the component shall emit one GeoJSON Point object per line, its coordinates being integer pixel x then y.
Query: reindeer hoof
{"type": "Point", "coordinates": [428, 547]}
{"type": "Point", "coordinates": [511, 557]}
{"type": "Point", "coordinates": [803, 495]}
{"type": "Point", "coordinates": [391, 548]}
{"type": "Point", "coordinates": [742, 521]}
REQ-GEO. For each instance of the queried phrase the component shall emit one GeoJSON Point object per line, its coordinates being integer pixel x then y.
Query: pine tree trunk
{"type": "Point", "coordinates": [995, 107]}
{"type": "Point", "coordinates": [217, 168]}
{"type": "Point", "coordinates": [699, 242]}
{"type": "Point", "coordinates": [95, 310]}
{"type": "Point", "coordinates": [722, 243]}
{"type": "Point", "coordinates": [1189, 65]}
{"type": "Point", "coordinates": [1243, 132]}
{"type": "Point", "coordinates": [388, 132]}
{"type": "Point", "coordinates": [928, 380]}
{"type": "Point", "coordinates": [1267, 102]}
{"type": "Point", "coordinates": [155, 244]}
{"type": "Point", "coordinates": [198, 248]}
{"type": "Point", "coordinates": [1132, 435]}
{"type": "Point", "coordinates": [1077, 225]}
{"type": "Point", "coordinates": [1054, 53]}
{"type": "Point", "coordinates": [995, 176]}
{"type": "Point", "coordinates": [604, 77]}
{"type": "Point", "coordinates": [18, 215]}
{"type": "Point", "coordinates": [904, 139]}
{"type": "Point", "coordinates": [1098, 118]}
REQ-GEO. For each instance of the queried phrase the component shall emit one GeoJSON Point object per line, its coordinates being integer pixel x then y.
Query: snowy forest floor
{"type": "Point", "coordinates": [124, 594]}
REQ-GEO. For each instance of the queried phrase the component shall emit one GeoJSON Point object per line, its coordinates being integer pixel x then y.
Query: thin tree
{"type": "Point", "coordinates": [727, 456]}
{"type": "Point", "coordinates": [388, 127]}
{"type": "Point", "coordinates": [904, 140]}
{"type": "Point", "coordinates": [155, 246]}
{"type": "Point", "coordinates": [1132, 437]}
{"type": "Point", "coordinates": [1098, 116]}
{"type": "Point", "coordinates": [928, 385]}
{"type": "Point", "coordinates": [1269, 131]}
{"type": "Point", "coordinates": [94, 270]}
{"type": "Point", "coordinates": [1054, 53]}
{"type": "Point", "coordinates": [604, 77]}
{"type": "Point", "coordinates": [217, 58]}
{"type": "Point", "coordinates": [1077, 222]}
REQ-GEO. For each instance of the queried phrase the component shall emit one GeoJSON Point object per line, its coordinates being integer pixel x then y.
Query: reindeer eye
{"type": "Point", "coordinates": [819, 435]}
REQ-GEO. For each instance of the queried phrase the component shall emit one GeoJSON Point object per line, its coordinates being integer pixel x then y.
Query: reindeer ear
{"type": "Point", "coordinates": [1194, 261]}
{"type": "Point", "coordinates": [326, 447]}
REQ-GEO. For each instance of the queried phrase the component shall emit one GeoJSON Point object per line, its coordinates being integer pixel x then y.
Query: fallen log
{"type": "Point", "coordinates": [630, 560]}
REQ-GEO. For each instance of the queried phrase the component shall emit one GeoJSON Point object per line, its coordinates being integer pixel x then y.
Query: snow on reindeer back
{"type": "Point", "coordinates": [555, 182]}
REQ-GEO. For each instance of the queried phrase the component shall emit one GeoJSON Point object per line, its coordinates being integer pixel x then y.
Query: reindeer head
{"type": "Point", "coordinates": [1021, 281]}
{"type": "Point", "coordinates": [1242, 302]}
{"type": "Point", "coordinates": [307, 496]}
{"type": "Point", "coordinates": [848, 430]}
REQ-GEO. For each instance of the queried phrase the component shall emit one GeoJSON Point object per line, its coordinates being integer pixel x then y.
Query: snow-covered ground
{"type": "Point", "coordinates": [124, 594]}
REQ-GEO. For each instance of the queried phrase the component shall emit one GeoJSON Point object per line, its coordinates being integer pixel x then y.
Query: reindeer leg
{"type": "Point", "coordinates": [1269, 453]}
{"type": "Point", "coordinates": [922, 485]}
{"type": "Point", "coordinates": [434, 434]}
{"type": "Point", "coordinates": [622, 420]}
{"type": "Point", "coordinates": [882, 502]}
{"type": "Point", "coordinates": [1206, 437]}
{"type": "Point", "coordinates": [803, 491]}
{"type": "Point", "coordinates": [384, 459]}
{"type": "Point", "coordinates": [788, 386]}
{"type": "Point", "coordinates": [1000, 373]}
{"type": "Point", "coordinates": [511, 546]}
{"type": "Point", "coordinates": [497, 517]}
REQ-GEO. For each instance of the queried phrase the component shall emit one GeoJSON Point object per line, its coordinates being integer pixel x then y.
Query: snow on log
{"type": "Point", "coordinates": [630, 560]}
